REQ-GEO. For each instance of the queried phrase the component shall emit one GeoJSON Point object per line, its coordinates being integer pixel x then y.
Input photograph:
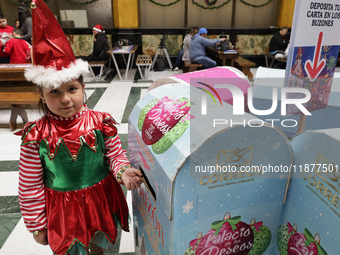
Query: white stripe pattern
{"type": "Point", "coordinates": [31, 188]}
{"type": "Point", "coordinates": [115, 155]}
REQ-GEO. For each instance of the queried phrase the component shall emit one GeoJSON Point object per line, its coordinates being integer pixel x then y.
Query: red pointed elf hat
{"type": "Point", "coordinates": [98, 28]}
{"type": "Point", "coordinates": [54, 62]}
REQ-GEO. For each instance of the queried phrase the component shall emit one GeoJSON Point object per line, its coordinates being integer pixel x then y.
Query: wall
{"type": "Point", "coordinates": [276, 13]}
{"type": "Point", "coordinates": [99, 12]}
{"type": "Point", "coordinates": [256, 17]}
{"type": "Point", "coordinates": [250, 42]}
{"type": "Point", "coordinates": [156, 16]}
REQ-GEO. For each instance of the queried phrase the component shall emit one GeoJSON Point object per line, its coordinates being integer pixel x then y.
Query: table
{"type": "Point", "coordinates": [130, 52]}
{"type": "Point", "coordinates": [16, 93]}
{"type": "Point", "coordinates": [12, 72]}
{"type": "Point", "coordinates": [214, 53]}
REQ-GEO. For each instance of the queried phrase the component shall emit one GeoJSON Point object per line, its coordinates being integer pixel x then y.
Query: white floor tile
{"type": "Point", "coordinates": [10, 145]}
{"type": "Point", "coordinates": [114, 100]}
{"type": "Point", "coordinates": [9, 183]}
{"type": "Point", "coordinates": [142, 84]}
{"type": "Point", "coordinates": [97, 85]}
{"type": "Point", "coordinates": [156, 75]}
{"type": "Point", "coordinates": [89, 92]}
{"type": "Point", "coordinates": [21, 242]}
{"type": "Point", "coordinates": [130, 77]}
{"type": "Point", "coordinates": [143, 93]}
{"type": "Point", "coordinates": [127, 239]}
{"type": "Point", "coordinates": [123, 128]}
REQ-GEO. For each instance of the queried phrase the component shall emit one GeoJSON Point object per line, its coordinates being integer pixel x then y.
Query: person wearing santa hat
{"type": "Point", "coordinates": [71, 159]}
{"type": "Point", "coordinates": [100, 47]}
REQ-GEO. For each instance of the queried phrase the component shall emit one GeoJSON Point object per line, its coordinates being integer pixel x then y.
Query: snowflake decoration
{"type": "Point", "coordinates": [188, 207]}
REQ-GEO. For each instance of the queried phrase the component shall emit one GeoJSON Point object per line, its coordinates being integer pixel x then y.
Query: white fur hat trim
{"type": "Point", "coordinates": [96, 29]}
{"type": "Point", "coordinates": [51, 78]}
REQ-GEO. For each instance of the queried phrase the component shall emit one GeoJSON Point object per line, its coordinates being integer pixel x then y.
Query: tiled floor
{"type": "Point", "coordinates": [118, 98]}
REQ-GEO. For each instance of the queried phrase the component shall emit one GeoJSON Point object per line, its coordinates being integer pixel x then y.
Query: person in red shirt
{"type": "Point", "coordinates": [19, 50]}
{"type": "Point", "coordinates": [5, 35]}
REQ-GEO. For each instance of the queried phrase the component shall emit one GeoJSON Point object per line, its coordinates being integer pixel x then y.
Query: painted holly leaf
{"type": "Point", "coordinates": [310, 239]}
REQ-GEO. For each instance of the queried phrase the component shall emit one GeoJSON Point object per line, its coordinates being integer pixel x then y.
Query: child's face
{"type": "Point", "coordinates": [65, 101]}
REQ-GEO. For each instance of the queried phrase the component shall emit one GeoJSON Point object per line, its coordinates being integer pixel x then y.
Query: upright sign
{"type": "Point", "coordinates": [314, 51]}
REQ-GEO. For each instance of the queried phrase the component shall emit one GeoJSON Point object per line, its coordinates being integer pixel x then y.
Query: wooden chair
{"type": "Point", "coordinates": [144, 62]}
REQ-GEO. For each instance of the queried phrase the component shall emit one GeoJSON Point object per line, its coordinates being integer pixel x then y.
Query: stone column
{"type": "Point", "coordinates": [125, 13]}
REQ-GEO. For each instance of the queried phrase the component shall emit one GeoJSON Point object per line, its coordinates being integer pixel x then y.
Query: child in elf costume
{"type": "Point", "coordinates": [71, 160]}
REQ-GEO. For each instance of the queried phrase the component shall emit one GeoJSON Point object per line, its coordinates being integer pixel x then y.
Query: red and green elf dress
{"type": "Point", "coordinates": [67, 180]}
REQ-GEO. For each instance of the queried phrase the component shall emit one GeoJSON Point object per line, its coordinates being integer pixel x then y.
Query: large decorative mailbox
{"type": "Point", "coordinates": [208, 190]}
{"type": "Point", "coordinates": [311, 217]}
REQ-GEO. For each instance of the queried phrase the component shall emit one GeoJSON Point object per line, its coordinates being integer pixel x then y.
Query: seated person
{"type": "Point", "coordinates": [185, 49]}
{"type": "Point", "coordinates": [197, 48]}
{"type": "Point", "coordinates": [18, 49]}
{"type": "Point", "coordinates": [278, 43]}
{"type": "Point", "coordinates": [187, 42]}
{"type": "Point", "coordinates": [5, 35]}
{"type": "Point", "coordinates": [100, 47]}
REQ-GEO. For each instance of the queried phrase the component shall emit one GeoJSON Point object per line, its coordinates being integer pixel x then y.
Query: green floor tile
{"type": "Point", "coordinates": [132, 101]}
{"type": "Point", "coordinates": [7, 224]}
{"type": "Point", "coordinates": [11, 165]}
{"type": "Point", "coordinates": [9, 204]}
{"type": "Point", "coordinates": [124, 141]}
{"type": "Point", "coordinates": [94, 98]}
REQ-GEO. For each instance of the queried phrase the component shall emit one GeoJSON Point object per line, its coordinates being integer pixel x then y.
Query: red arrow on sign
{"type": "Point", "coordinates": [313, 69]}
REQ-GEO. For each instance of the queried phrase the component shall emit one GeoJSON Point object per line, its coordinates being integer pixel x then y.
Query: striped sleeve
{"type": "Point", "coordinates": [115, 155]}
{"type": "Point", "coordinates": [31, 188]}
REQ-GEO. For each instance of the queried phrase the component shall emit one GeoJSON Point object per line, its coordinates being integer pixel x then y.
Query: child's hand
{"type": "Point", "coordinates": [42, 237]}
{"type": "Point", "coordinates": [132, 178]}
